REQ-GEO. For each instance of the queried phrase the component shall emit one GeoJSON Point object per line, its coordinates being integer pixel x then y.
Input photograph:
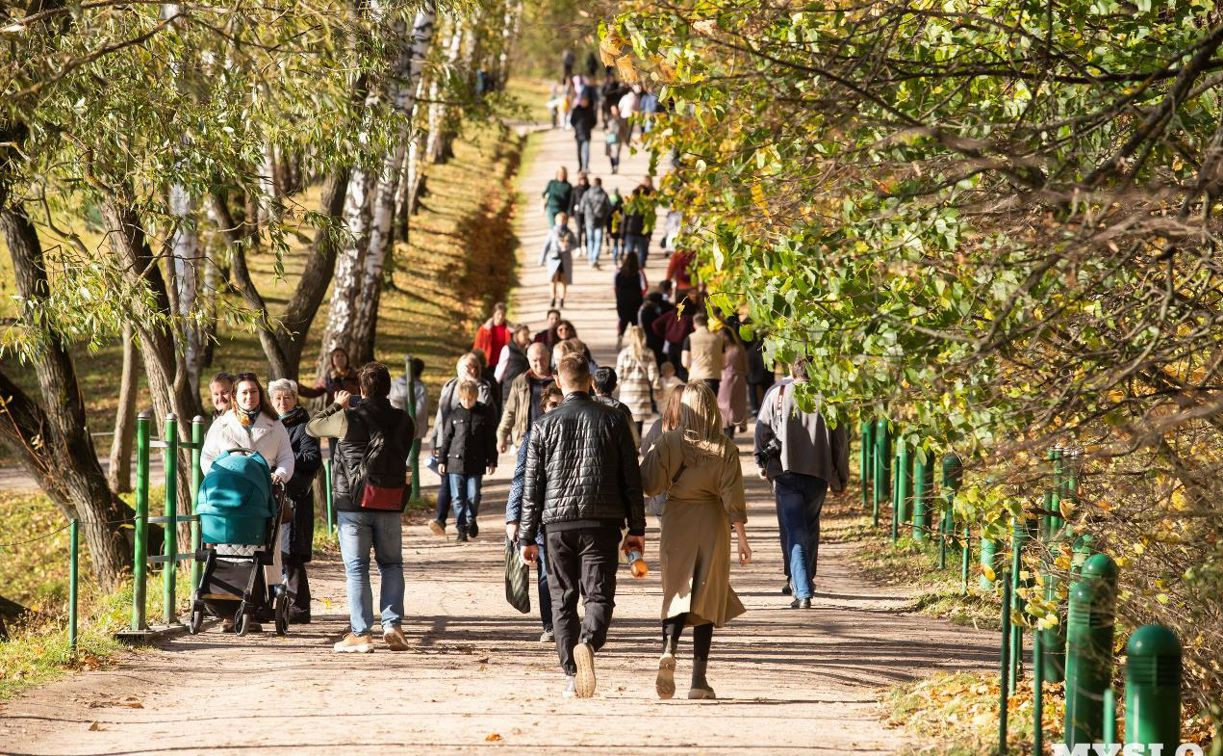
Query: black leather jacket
{"type": "Point", "coordinates": [581, 465]}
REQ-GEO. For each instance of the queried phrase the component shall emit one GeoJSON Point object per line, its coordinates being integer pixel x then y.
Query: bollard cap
{"type": "Point", "coordinates": [144, 415]}
{"type": "Point", "coordinates": [1153, 640]}
{"type": "Point", "coordinates": [1100, 566]}
{"type": "Point", "coordinates": [197, 419]}
{"type": "Point", "coordinates": [171, 416]}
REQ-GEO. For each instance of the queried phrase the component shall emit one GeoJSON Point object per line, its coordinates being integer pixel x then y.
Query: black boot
{"type": "Point", "coordinates": [700, 686]}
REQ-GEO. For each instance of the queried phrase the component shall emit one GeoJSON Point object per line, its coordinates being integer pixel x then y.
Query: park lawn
{"type": "Point", "coordinates": [441, 284]}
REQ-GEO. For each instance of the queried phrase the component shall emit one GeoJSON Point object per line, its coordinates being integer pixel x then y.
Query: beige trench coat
{"type": "Point", "coordinates": [704, 499]}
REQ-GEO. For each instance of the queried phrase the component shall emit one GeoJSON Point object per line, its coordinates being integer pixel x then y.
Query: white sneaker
{"type": "Point", "coordinates": [584, 658]}
{"type": "Point", "coordinates": [355, 644]}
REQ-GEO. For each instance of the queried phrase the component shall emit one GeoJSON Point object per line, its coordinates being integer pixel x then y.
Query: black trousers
{"type": "Point", "coordinates": [581, 561]}
{"type": "Point", "coordinates": [297, 580]}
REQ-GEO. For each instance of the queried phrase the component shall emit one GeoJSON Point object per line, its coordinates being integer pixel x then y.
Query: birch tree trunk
{"type": "Point", "coordinates": [120, 473]}
{"type": "Point", "coordinates": [371, 211]}
{"type": "Point", "coordinates": [185, 249]}
{"type": "Point", "coordinates": [438, 111]}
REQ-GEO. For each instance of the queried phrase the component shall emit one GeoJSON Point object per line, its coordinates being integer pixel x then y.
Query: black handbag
{"type": "Point", "coordinates": [517, 578]}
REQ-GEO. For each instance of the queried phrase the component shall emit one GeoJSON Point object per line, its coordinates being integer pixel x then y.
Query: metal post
{"type": "Point", "coordinates": [1153, 689]}
{"type": "Point", "coordinates": [140, 555]}
{"type": "Point", "coordinates": [73, 554]}
{"type": "Point", "coordinates": [965, 558]}
{"type": "Point", "coordinates": [988, 559]}
{"type": "Point", "coordinates": [414, 454]}
{"type": "Point", "coordinates": [1038, 703]}
{"type": "Point", "coordinates": [1019, 534]}
{"type": "Point", "coordinates": [882, 482]}
{"type": "Point", "coordinates": [197, 480]}
{"type": "Point", "coordinates": [1110, 716]}
{"type": "Point", "coordinates": [1089, 650]}
{"type": "Point", "coordinates": [900, 511]}
{"type": "Point", "coordinates": [170, 539]}
{"type": "Point", "coordinates": [953, 476]}
{"type": "Point", "coordinates": [1005, 662]}
{"type": "Point", "coordinates": [864, 460]}
{"type": "Point", "coordinates": [327, 484]}
{"type": "Point", "coordinates": [921, 513]}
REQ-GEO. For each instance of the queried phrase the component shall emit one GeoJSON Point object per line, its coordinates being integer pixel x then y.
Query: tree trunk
{"type": "Point", "coordinates": [436, 150]}
{"type": "Point", "coordinates": [54, 444]}
{"type": "Point", "coordinates": [120, 474]}
{"type": "Point", "coordinates": [185, 247]}
{"type": "Point", "coordinates": [405, 85]}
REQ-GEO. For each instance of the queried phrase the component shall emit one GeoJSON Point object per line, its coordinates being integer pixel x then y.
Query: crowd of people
{"type": "Point", "coordinates": [598, 448]}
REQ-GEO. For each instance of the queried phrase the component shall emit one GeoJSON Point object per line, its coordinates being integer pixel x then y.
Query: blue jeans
{"type": "Point", "coordinates": [617, 249]}
{"type": "Point", "coordinates": [583, 154]}
{"type": "Point", "coordinates": [465, 497]}
{"type": "Point", "coordinates": [594, 241]}
{"type": "Point", "coordinates": [799, 501]}
{"type": "Point", "coordinates": [639, 244]}
{"type": "Point", "coordinates": [384, 532]}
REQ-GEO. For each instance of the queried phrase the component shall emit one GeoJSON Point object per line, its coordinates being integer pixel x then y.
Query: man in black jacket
{"type": "Point", "coordinates": [368, 483]}
{"type": "Point", "coordinates": [582, 482]}
{"type": "Point", "coordinates": [583, 120]}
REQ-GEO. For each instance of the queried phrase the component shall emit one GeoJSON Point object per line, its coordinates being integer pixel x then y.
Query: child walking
{"type": "Point", "coordinates": [469, 450]}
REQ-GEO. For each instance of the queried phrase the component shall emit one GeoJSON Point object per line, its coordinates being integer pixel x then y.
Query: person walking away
{"type": "Point", "coordinates": [568, 58]}
{"type": "Point", "coordinates": [732, 389]}
{"type": "Point", "coordinates": [513, 360]}
{"type": "Point", "coordinates": [803, 458]}
{"type": "Point", "coordinates": [594, 209]}
{"type": "Point", "coordinates": [630, 287]}
{"type": "Point", "coordinates": [469, 451]}
{"type": "Point", "coordinates": [673, 327]}
{"type": "Point", "coordinates": [760, 377]}
{"type": "Point", "coordinates": [654, 307]}
{"type": "Point", "coordinates": [494, 335]}
{"type": "Point", "coordinates": [679, 269]}
{"type": "Point", "coordinates": [369, 484]}
{"type": "Point", "coordinates": [297, 539]}
{"type": "Point", "coordinates": [557, 195]}
{"type": "Point", "coordinates": [547, 336]}
{"type": "Point", "coordinates": [605, 382]}
{"type": "Point", "coordinates": [556, 96]}
{"type": "Point", "coordinates": [467, 368]}
{"type": "Point", "coordinates": [522, 401]}
{"type": "Point", "coordinates": [584, 120]}
{"type": "Point", "coordinates": [635, 239]}
{"type": "Point", "coordinates": [673, 224]}
{"type": "Point", "coordinates": [638, 374]}
{"type": "Point", "coordinates": [221, 387]}
{"type": "Point", "coordinates": [609, 97]}
{"type": "Point", "coordinates": [615, 223]}
{"type": "Point", "coordinates": [572, 345]}
{"type": "Point", "coordinates": [629, 104]}
{"type": "Point", "coordinates": [557, 254]}
{"type": "Point", "coordinates": [615, 135]}
{"type": "Point", "coordinates": [698, 469]}
{"type": "Point", "coordinates": [575, 199]}
{"type": "Point", "coordinates": [582, 484]}
{"type": "Point", "coordinates": [648, 105]}
{"type": "Point", "coordinates": [668, 383]}
{"type": "Point", "coordinates": [549, 400]}
{"type": "Point", "coordinates": [592, 64]}
{"type": "Point", "coordinates": [252, 424]}
{"type": "Point", "coordinates": [702, 353]}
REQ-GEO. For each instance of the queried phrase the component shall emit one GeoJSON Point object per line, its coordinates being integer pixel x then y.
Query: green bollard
{"type": "Point", "coordinates": [864, 460]}
{"type": "Point", "coordinates": [197, 479]}
{"type": "Point", "coordinates": [1110, 716]}
{"type": "Point", "coordinates": [1019, 538]}
{"type": "Point", "coordinates": [170, 539]}
{"type": "Point", "coordinates": [1153, 689]}
{"type": "Point", "coordinates": [953, 477]}
{"type": "Point", "coordinates": [988, 559]}
{"type": "Point", "coordinates": [1089, 650]}
{"type": "Point", "coordinates": [882, 478]}
{"type": "Point", "coordinates": [965, 559]}
{"type": "Point", "coordinates": [327, 485]}
{"type": "Point", "coordinates": [900, 509]}
{"type": "Point", "coordinates": [140, 555]}
{"type": "Point", "coordinates": [1038, 698]}
{"type": "Point", "coordinates": [1005, 663]}
{"type": "Point", "coordinates": [73, 574]}
{"type": "Point", "coordinates": [922, 473]}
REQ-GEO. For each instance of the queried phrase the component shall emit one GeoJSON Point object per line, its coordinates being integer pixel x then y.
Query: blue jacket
{"type": "Point", "coordinates": [513, 505]}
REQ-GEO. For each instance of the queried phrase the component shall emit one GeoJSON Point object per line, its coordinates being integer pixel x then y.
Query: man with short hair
{"type": "Point", "coordinates": [522, 405]}
{"type": "Point", "coordinates": [594, 208]}
{"type": "Point", "coordinates": [584, 120]}
{"type": "Point", "coordinates": [605, 381]}
{"type": "Point", "coordinates": [369, 474]}
{"type": "Point", "coordinates": [545, 336]}
{"type": "Point", "coordinates": [702, 353]}
{"type": "Point", "coordinates": [582, 484]}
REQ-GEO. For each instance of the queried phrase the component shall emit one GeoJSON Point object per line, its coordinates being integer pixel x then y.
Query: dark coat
{"type": "Point", "coordinates": [653, 309]}
{"type": "Point", "coordinates": [469, 440]}
{"type": "Point", "coordinates": [628, 295]}
{"type": "Point", "coordinates": [581, 467]}
{"type": "Point", "coordinates": [389, 468]}
{"type": "Point", "coordinates": [515, 365]}
{"type": "Point", "coordinates": [298, 538]}
{"type": "Point", "coordinates": [583, 120]}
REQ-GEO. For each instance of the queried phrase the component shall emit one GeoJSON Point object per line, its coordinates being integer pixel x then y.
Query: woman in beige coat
{"type": "Point", "coordinates": [698, 468]}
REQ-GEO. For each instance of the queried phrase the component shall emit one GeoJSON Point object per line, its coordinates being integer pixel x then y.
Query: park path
{"type": "Point", "coordinates": [477, 678]}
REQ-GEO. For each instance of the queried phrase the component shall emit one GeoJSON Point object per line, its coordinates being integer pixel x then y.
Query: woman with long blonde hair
{"type": "Point", "coordinates": [698, 468]}
{"type": "Point", "coordinates": [638, 375]}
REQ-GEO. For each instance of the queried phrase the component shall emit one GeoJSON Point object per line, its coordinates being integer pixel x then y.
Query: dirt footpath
{"type": "Point", "coordinates": [476, 676]}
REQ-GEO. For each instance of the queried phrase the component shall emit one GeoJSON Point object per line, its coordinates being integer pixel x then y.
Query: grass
{"type": "Point", "coordinates": [441, 286]}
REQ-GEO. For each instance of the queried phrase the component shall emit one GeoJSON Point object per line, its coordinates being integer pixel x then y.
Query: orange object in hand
{"type": "Point", "coordinates": [637, 565]}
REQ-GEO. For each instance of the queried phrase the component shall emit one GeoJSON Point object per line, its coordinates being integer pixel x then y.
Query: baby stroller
{"type": "Point", "coordinates": [240, 513]}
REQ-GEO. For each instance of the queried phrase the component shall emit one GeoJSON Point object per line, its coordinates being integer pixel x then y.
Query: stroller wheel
{"type": "Point", "coordinates": [242, 623]}
{"type": "Point", "coordinates": [197, 619]}
{"type": "Point", "coordinates": [280, 612]}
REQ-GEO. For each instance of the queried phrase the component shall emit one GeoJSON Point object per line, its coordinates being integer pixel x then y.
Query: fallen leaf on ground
{"type": "Point", "coordinates": [493, 737]}
{"type": "Point", "coordinates": [95, 726]}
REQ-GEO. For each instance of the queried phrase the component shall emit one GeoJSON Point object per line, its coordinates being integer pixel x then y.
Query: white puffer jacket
{"type": "Point", "coordinates": [267, 436]}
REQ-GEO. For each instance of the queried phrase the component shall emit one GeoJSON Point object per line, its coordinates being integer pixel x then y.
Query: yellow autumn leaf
{"type": "Point", "coordinates": [988, 572]}
{"type": "Point", "coordinates": [1162, 598]}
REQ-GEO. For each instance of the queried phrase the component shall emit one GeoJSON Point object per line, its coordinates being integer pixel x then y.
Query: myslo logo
{"type": "Point", "coordinates": [1128, 749]}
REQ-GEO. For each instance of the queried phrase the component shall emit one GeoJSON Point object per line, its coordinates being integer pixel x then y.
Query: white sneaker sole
{"type": "Point", "coordinates": [584, 658]}
{"type": "Point", "coordinates": [364, 648]}
{"type": "Point", "coordinates": [665, 682]}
